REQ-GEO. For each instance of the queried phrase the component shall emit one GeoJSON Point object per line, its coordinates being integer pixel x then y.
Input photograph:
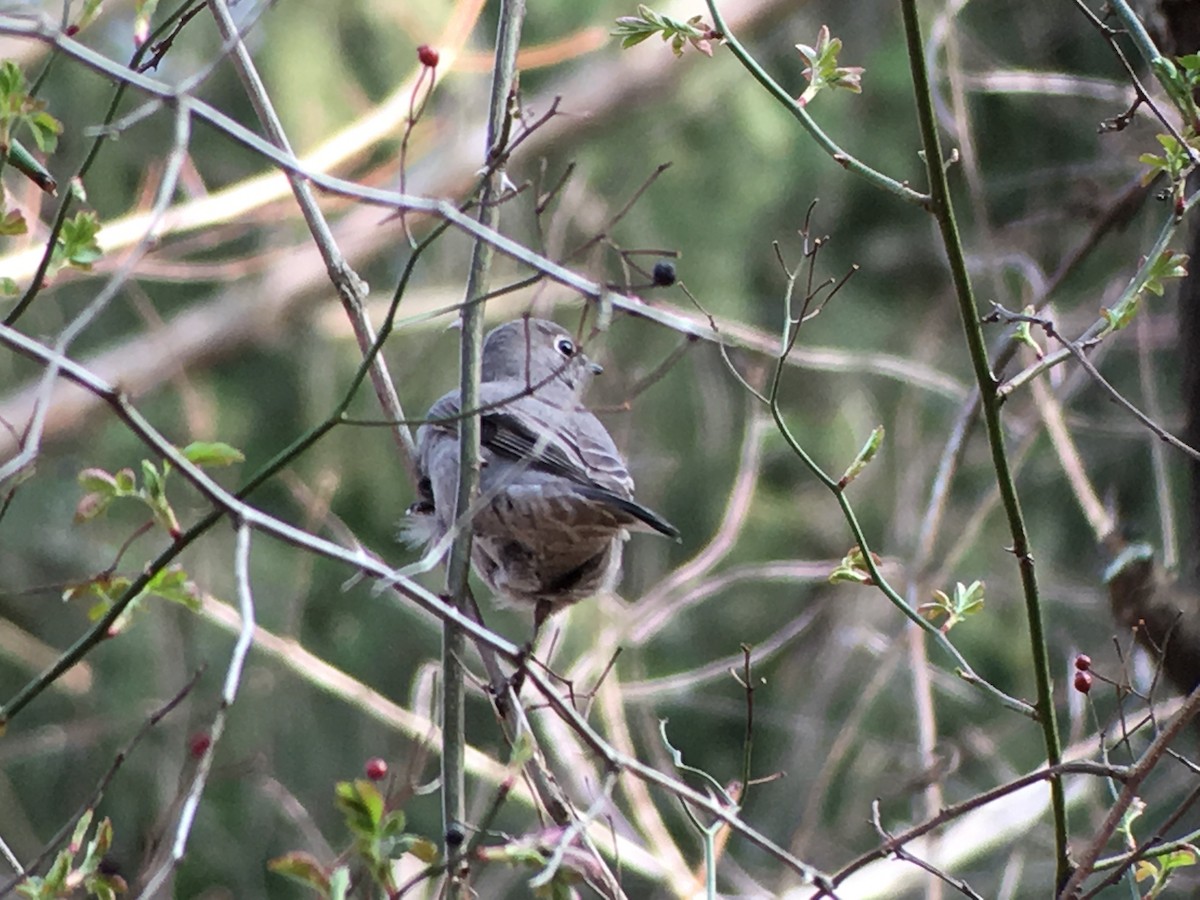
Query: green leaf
{"type": "Point", "coordinates": [823, 70]}
{"type": "Point", "coordinates": [56, 878]}
{"type": "Point", "coordinates": [425, 850]}
{"type": "Point", "coordinates": [212, 453]}
{"type": "Point", "coordinates": [91, 506]}
{"type": "Point", "coordinates": [695, 31]}
{"type": "Point", "coordinates": [1178, 859]}
{"type": "Point", "coordinates": [77, 245]}
{"type": "Point", "coordinates": [852, 568]}
{"type": "Point", "coordinates": [173, 584]}
{"type": "Point", "coordinates": [12, 80]}
{"type": "Point", "coordinates": [98, 480]}
{"type": "Point", "coordinates": [361, 805]}
{"type": "Point", "coordinates": [152, 482]}
{"type": "Point", "coordinates": [126, 481]}
{"type": "Point", "coordinates": [8, 287]}
{"type": "Point", "coordinates": [303, 868]}
{"type": "Point", "coordinates": [44, 128]}
{"type": "Point", "coordinates": [864, 457]}
{"type": "Point", "coordinates": [80, 832]}
{"type": "Point", "coordinates": [12, 222]}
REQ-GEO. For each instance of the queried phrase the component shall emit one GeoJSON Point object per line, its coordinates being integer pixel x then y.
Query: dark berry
{"type": "Point", "coordinates": [1083, 682]}
{"type": "Point", "coordinates": [428, 56]}
{"type": "Point", "coordinates": [1083, 662]}
{"type": "Point", "coordinates": [664, 274]}
{"type": "Point", "coordinates": [454, 836]}
{"type": "Point", "coordinates": [377, 769]}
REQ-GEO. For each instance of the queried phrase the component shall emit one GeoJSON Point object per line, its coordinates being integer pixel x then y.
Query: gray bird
{"type": "Point", "coordinates": [556, 501]}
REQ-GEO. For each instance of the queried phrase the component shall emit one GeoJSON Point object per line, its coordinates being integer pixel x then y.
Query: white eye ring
{"type": "Point", "coordinates": [566, 347]}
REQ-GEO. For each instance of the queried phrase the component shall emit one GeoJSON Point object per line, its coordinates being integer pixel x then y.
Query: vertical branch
{"type": "Point", "coordinates": [943, 211]}
{"type": "Point", "coordinates": [351, 289]}
{"type": "Point", "coordinates": [512, 15]}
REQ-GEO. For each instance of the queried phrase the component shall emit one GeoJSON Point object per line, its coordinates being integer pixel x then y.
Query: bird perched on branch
{"type": "Point", "coordinates": [556, 502]}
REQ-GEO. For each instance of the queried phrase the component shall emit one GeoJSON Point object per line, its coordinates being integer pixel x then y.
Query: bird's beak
{"type": "Point", "coordinates": [595, 368]}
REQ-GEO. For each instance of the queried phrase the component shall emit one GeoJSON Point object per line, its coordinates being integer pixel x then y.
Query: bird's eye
{"type": "Point", "coordinates": [566, 347]}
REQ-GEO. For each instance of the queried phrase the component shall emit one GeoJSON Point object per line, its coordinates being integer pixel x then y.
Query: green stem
{"type": "Point", "coordinates": [824, 141]}
{"type": "Point", "coordinates": [508, 36]}
{"type": "Point", "coordinates": [943, 211]}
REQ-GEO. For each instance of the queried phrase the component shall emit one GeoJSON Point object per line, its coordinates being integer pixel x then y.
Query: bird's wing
{"type": "Point", "coordinates": [513, 426]}
{"type": "Point", "coordinates": [563, 440]}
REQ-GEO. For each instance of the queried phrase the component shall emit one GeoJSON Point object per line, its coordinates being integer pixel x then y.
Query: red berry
{"type": "Point", "coordinates": [1083, 682]}
{"type": "Point", "coordinates": [428, 56]}
{"type": "Point", "coordinates": [1083, 662]}
{"type": "Point", "coordinates": [71, 30]}
{"type": "Point", "coordinates": [199, 743]}
{"type": "Point", "coordinates": [376, 769]}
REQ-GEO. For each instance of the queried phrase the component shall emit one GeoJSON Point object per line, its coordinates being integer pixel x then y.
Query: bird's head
{"type": "Point", "coordinates": [537, 352]}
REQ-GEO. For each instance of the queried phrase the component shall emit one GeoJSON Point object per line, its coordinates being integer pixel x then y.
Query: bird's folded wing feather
{"type": "Point", "coordinates": [523, 431]}
{"type": "Point", "coordinates": [513, 433]}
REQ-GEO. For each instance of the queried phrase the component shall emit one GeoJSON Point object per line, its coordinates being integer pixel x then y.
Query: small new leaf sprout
{"type": "Point", "coordinates": [66, 878]}
{"type": "Point", "coordinates": [379, 838]}
{"type": "Point", "coordinates": [18, 108]}
{"type": "Point", "coordinates": [865, 455]}
{"type": "Point", "coordinates": [854, 568]}
{"type": "Point", "coordinates": [647, 23]}
{"type": "Point", "coordinates": [967, 601]}
{"type": "Point", "coordinates": [171, 584]}
{"type": "Point", "coordinates": [1174, 162]}
{"type": "Point", "coordinates": [12, 223]}
{"type": "Point", "coordinates": [102, 487]}
{"type": "Point", "coordinates": [77, 245]}
{"type": "Point", "coordinates": [1167, 264]}
{"type": "Point", "coordinates": [212, 453]}
{"type": "Point", "coordinates": [823, 70]}
{"type": "Point", "coordinates": [303, 868]}
{"type": "Point", "coordinates": [1132, 814]}
{"type": "Point", "coordinates": [1025, 334]}
{"type": "Point", "coordinates": [1180, 81]}
{"type": "Point", "coordinates": [1162, 867]}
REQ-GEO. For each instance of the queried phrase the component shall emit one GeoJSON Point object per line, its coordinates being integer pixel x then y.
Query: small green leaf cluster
{"type": "Point", "coordinates": [853, 568]}
{"type": "Point", "coordinates": [864, 457]}
{"type": "Point", "coordinates": [647, 23]}
{"type": "Point", "coordinates": [18, 108]}
{"type": "Point", "coordinates": [104, 487]}
{"type": "Point", "coordinates": [1156, 869]}
{"type": "Point", "coordinates": [967, 601]}
{"type": "Point", "coordinates": [171, 583]}
{"type": "Point", "coordinates": [77, 245]}
{"type": "Point", "coordinates": [379, 840]}
{"type": "Point", "coordinates": [823, 70]}
{"type": "Point", "coordinates": [1167, 264]}
{"type": "Point", "coordinates": [66, 878]}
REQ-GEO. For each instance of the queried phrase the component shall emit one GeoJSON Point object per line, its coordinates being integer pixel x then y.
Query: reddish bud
{"type": "Point", "coordinates": [1083, 662]}
{"type": "Point", "coordinates": [1083, 681]}
{"type": "Point", "coordinates": [428, 56]}
{"type": "Point", "coordinates": [199, 743]}
{"type": "Point", "coordinates": [377, 769]}
{"type": "Point", "coordinates": [71, 30]}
